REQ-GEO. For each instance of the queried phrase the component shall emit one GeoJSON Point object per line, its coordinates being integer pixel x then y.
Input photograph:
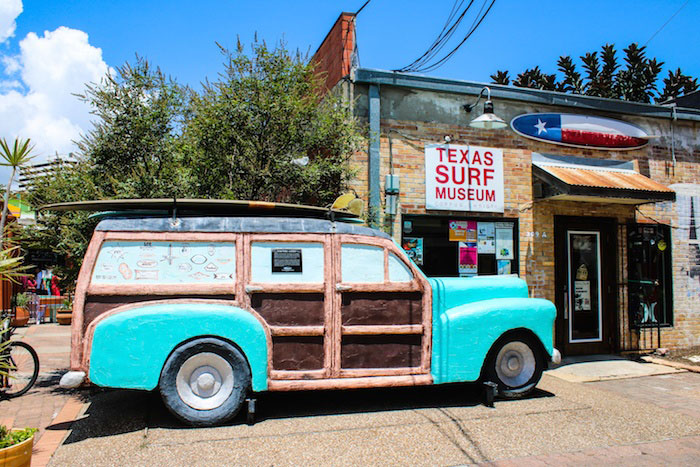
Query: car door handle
{"type": "Point", "coordinates": [252, 288]}
{"type": "Point", "coordinates": [342, 288]}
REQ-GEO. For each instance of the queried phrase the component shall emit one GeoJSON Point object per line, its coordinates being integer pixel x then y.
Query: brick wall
{"type": "Point", "coordinates": [536, 218]}
{"type": "Point", "coordinates": [333, 58]}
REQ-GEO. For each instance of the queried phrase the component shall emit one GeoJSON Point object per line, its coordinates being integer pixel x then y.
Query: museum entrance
{"type": "Point", "coordinates": [585, 259]}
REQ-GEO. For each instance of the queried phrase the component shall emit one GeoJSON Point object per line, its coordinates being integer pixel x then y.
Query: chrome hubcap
{"type": "Point", "coordinates": [205, 381]}
{"type": "Point", "coordinates": [515, 364]}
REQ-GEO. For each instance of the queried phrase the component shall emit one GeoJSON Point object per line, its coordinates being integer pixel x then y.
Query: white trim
{"type": "Point", "coordinates": [568, 286]}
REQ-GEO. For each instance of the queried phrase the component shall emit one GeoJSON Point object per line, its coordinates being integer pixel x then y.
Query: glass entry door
{"type": "Point", "coordinates": [585, 281]}
{"type": "Point", "coordinates": [585, 307]}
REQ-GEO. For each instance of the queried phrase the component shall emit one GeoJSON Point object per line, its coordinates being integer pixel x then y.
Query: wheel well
{"type": "Point", "coordinates": [514, 334]}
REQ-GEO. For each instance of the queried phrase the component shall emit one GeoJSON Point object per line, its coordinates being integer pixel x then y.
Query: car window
{"type": "Point", "coordinates": [362, 263]}
{"type": "Point", "coordinates": [284, 262]}
{"type": "Point", "coordinates": [398, 271]}
{"type": "Point", "coordinates": [129, 262]}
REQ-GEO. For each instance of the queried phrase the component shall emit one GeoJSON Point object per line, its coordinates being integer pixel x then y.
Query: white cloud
{"type": "Point", "coordinates": [9, 11]}
{"type": "Point", "coordinates": [51, 68]}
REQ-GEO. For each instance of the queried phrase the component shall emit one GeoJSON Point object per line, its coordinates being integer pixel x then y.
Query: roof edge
{"type": "Point", "coordinates": [535, 96]}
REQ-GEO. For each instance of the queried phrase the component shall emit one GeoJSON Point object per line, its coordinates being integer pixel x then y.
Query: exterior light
{"type": "Point", "coordinates": [488, 120]}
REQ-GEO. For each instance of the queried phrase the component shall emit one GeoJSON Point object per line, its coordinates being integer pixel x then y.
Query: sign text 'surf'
{"type": "Point", "coordinates": [463, 178]}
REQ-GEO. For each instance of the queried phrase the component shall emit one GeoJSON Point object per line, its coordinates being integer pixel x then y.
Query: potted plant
{"type": "Point", "coordinates": [21, 317]}
{"type": "Point", "coordinates": [64, 314]}
{"type": "Point", "coordinates": [16, 446]}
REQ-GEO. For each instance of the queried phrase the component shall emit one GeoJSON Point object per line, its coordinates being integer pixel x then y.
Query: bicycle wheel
{"type": "Point", "coordinates": [24, 370]}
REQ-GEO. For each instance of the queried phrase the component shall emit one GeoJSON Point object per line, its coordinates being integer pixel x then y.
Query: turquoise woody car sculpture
{"type": "Point", "coordinates": [211, 301]}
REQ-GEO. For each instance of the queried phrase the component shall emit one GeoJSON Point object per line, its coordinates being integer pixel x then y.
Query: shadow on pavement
{"type": "Point", "coordinates": [113, 412]}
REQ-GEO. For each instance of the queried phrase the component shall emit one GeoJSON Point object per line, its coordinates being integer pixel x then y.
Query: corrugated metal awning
{"type": "Point", "coordinates": [595, 180]}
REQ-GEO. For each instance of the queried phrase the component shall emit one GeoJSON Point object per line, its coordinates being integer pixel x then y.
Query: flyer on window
{"type": "Point", "coordinates": [504, 240]}
{"type": "Point", "coordinates": [413, 246]}
{"type": "Point", "coordinates": [486, 237]}
{"type": "Point", "coordinates": [458, 231]}
{"type": "Point", "coordinates": [468, 259]}
{"type": "Point", "coordinates": [503, 267]}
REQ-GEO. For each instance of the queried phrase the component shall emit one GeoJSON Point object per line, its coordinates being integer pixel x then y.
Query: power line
{"type": "Point", "coordinates": [442, 39]}
{"type": "Point", "coordinates": [444, 59]}
{"type": "Point", "coordinates": [422, 63]}
{"type": "Point", "coordinates": [664, 25]}
{"type": "Point", "coordinates": [362, 7]}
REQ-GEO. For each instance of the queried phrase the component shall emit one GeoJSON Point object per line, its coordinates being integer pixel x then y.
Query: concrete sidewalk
{"type": "Point", "coordinates": [590, 368]}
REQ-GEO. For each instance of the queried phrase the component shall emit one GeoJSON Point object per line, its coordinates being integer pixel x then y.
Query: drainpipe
{"type": "Point", "coordinates": [674, 117]}
{"type": "Point", "coordinates": [373, 166]}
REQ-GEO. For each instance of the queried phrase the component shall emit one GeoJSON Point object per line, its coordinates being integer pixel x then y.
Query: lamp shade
{"type": "Point", "coordinates": [488, 120]}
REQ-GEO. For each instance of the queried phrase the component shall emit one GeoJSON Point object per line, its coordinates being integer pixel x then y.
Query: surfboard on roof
{"type": "Point", "coordinates": [185, 206]}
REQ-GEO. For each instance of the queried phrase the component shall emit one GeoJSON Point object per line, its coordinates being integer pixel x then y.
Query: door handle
{"type": "Point", "coordinates": [252, 288]}
{"type": "Point", "coordinates": [566, 305]}
{"type": "Point", "coordinates": [342, 288]}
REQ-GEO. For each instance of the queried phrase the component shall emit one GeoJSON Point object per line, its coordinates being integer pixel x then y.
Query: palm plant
{"type": "Point", "coordinates": [11, 269]}
{"type": "Point", "coordinates": [15, 157]}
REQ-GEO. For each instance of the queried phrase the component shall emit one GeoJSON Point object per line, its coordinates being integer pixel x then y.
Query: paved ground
{"type": "Point", "coordinates": [573, 422]}
{"type": "Point", "coordinates": [42, 403]}
{"type": "Point", "coordinates": [648, 420]}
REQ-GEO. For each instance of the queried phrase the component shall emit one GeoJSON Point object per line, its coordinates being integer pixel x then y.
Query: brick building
{"type": "Point", "coordinates": [611, 236]}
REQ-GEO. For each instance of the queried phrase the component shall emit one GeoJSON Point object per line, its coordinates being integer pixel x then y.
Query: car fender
{"type": "Point", "coordinates": [129, 348]}
{"type": "Point", "coordinates": [465, 334]}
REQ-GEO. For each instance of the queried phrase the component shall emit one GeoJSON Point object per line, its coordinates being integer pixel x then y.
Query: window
{"type": "Point", "coordinates": [128, 262]}
{"type": "Point", "coordinates": [461, 246]}
{"type": "Point", "coordinates": [649, 275]}
{"type": "Point", "coordinates": [398, 271]}
{"type": "Point", "coordinates": [283, 262]}
{"type": "Point", "coordinates": [362, 263]}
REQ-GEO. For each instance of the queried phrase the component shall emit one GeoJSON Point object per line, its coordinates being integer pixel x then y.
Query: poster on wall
{"type": "Point", "coordinates": [503, 267]}
{"type": "Point", "coordinates": [582, 296]}
{"type": "Point", "coordinates": [504, 240]}
{"type": "Point", "coordinates": [486, 237]}
{"type": "Point", "coordinates": [463, 178]}
{"type": "Point", "coordinates": [468, 262]}
{"type": "Point", "coordinates": [413, 246]}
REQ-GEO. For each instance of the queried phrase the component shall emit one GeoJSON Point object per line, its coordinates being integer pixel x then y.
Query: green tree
{"type": "Point", "coordinates": [636, 81]}
{"type": "Point", "coordinates": [132, 151]}
{"type": "Point", "coordinates": [249, 130]}
{"type": "Point", "coordinates": [677, 84]}
{"type": "Point", "coordinates": [18, 155]}
{"type": "Point", "coordinates": [245, 135]}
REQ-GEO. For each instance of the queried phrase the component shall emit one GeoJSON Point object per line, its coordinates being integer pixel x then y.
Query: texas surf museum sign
{"type": "Point", "coordinates": [463, 178]}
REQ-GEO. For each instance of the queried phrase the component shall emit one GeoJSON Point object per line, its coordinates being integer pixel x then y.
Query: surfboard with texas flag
{"type": "Point", "coordinates": [580, 131]}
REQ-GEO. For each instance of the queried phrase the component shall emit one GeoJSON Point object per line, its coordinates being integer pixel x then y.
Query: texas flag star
{"type": "Point", "coordinates": [540, 126]}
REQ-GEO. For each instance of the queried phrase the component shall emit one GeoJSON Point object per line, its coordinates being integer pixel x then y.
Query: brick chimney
{"type": "Point", "coordinates": [334, 57]}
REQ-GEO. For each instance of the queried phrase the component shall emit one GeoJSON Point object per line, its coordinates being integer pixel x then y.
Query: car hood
{"type": "Point", "coordinates": [449, 292]}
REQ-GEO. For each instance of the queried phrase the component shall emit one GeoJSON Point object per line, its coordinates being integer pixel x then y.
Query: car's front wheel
{"type": "Point", "coordinates": [515, 364]}
{"type": "Point", "coordinates": [204, 382]}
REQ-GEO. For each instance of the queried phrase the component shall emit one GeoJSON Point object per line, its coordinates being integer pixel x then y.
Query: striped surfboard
{"type": "Point", "coordinates": [580, 131]}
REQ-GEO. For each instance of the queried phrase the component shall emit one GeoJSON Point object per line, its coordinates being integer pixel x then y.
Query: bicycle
{"type": "Point", "coordinates": [19, 362]}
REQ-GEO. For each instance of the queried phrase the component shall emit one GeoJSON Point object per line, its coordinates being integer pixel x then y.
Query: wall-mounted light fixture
{"type": "Point", "coordinates": [488, 120]}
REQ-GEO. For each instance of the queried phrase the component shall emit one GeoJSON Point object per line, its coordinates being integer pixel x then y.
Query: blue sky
{"type": "Point", "coordinates": [57, 45]}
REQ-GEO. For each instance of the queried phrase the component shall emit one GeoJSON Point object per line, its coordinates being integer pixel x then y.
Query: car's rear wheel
{"type": "Point", "coordinates": [204, 382]}
{"type": "Point", "coordinates": [515, 364]}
